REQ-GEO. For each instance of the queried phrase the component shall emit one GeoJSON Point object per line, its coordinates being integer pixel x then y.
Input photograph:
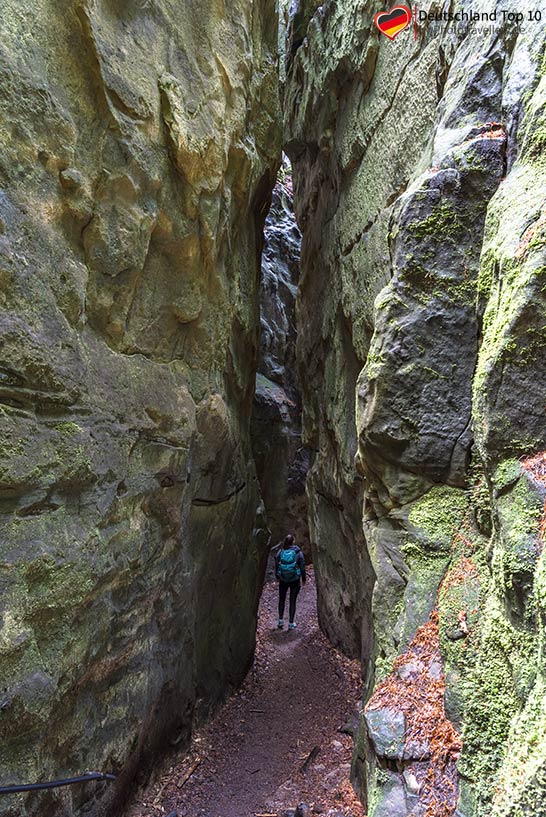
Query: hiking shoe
{"type": "Point", "coordinates": [292, 625]}
{"type": "Point", "coordinates": [280, 625]}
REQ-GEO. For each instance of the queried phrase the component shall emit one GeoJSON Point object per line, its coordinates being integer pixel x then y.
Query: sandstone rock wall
{"type": "Point", "coordinates": [419, 191]}
{"type": "Point", "coordinates": [138, 146]}
{"type": "Point", "coordinates": [281, 458]}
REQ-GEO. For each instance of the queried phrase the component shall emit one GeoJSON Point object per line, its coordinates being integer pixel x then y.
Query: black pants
{"type": "Point", "coordinates": [283, 590]}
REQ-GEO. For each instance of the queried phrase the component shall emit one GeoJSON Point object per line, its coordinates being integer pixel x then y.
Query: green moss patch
{"type": "Point", "coordinates": [521, 783]}
{"type": "Point", "coordinates": [437, 515]}
{"type": "Point", "coordinates": [68, 427]}
{"type": "Point", "coordinates": [441, 223]}
{"type": "Point", "coordinates": [496, 660]}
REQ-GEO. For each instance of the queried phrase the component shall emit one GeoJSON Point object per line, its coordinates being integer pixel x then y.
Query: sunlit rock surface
{"type": "Point", "coordinates": [138, 147]}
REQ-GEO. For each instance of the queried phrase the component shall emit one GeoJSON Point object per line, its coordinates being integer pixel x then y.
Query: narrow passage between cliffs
{"type": "Point", "coordinates": [248, 759]}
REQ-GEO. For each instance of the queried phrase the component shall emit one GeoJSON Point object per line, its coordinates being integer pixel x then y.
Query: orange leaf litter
{"type": "Point", "coordinates": [463, 570]}
{"type": "Point", "coordinates": [496, 130]}
{"type": "Point", "coordinates": [419, 694]}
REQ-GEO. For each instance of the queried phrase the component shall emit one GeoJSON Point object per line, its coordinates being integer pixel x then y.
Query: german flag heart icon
{"type": "Point", "coordinates": [391, 23]}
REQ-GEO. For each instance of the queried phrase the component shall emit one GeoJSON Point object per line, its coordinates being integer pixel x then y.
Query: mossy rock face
{"type": "Point", "coordinates": [521, 781]}
{"type": "Point", "coordinates": [130, 552]}
{"type": "Point", "coordinates": [436, 516]}
{"type": "Point", "coordinates": [419, 368]}
{"type": "Point", "coordinates": [339, 282]}
{"type": "Point", "coordinates": [431, 523]}
{"type": "Point", "coordinates": [519, 511]}
{"type": "Point", "coordinates": [491, 698]}
{"type": "Point", "coordinates": [508, 414]}
{"type": "Point", "coordinates": [388, 796]}
{"type": "Point", "coordinates": [415, 389]}
{"type": "Point", "coordinates": [509, 391]}
{"type": "Point", "coordinates": [423, 290]}
{"type": "Point", "coordinates": [492, 638]}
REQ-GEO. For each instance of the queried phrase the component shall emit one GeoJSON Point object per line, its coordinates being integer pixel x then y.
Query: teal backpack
{"type": "Point", "coordinates": [288, 570]}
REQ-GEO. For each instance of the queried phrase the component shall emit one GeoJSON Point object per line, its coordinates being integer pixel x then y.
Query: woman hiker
{"type": "Point", "coordinates": [289, 569]}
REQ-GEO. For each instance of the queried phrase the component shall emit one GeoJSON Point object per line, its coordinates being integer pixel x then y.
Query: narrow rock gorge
{"type": "Point", "coordinates": [182, 381]}
{"type": "Point", "coordinates": [281, 459]}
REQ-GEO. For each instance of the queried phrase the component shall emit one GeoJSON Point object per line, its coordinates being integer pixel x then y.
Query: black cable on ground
{"type": "Point", "coordinates": [55, 784]}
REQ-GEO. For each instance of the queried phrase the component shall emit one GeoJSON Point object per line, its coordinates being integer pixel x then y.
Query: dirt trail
{"type": "Point", "coordinates": [247, 760]}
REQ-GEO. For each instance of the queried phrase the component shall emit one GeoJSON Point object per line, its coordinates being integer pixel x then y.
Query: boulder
{"type": "Point", "coordinates": [387, 731]}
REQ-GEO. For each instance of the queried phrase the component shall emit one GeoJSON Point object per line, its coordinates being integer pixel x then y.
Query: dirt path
{"type": "Point", "coordinates": [247, 760]}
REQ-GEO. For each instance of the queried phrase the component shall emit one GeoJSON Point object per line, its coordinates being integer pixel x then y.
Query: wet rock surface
{"type": "Point", "coordinates": [138, 151]}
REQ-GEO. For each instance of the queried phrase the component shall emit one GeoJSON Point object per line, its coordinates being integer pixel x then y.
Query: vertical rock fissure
{"type": "Point", "coordinates": [280, 456]}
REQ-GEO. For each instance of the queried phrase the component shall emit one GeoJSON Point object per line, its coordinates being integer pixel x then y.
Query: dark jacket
{"type": "Point", "coordinates": [300, 560]}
